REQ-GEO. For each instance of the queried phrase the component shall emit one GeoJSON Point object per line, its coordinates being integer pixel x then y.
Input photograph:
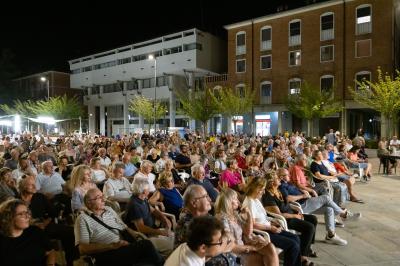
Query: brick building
{"type": "Point", "coordinates": [329, 45]}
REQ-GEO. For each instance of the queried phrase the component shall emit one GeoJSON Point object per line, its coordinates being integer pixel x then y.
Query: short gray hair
{"type": "Point", "coordinates": [139, 185]}
{"type": "Point", "coordinates": [118, 166]}
{"type": "Point", "coordinates": [189, 194]}
{"type": "Point", "coordinates": [196, 168]}
{"type": "Point", "coordinates": [145, 163]}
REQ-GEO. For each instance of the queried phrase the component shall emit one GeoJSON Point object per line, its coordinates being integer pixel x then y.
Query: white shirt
{"type": "Point", "coordinates": [49, 184]}
{"type": "Point", "coordinates": [120, 188]}
{"type": "Point", "coordinates": [257, 210]}
{"type": "Point", "coordinates": [394, 142]}
{"type": "Point", "coordinates": [331, 168]}
{"type": "Point", "coordinates": [105, 161]}
{"type": "Point", "coordinates": [184, 256]}
{"type": "Point", "coordinates": [98, 176]}
{"type": "Point", "coordinates": [149, 178]}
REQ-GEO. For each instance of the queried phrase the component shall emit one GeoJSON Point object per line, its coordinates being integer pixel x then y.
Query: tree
{"type": "Point", "coordinates": [198, 105]}
{"type": "Point", "coordinates": [235, 102]}
{"type": "Point", "coordinates": [145, 107]}
{"type": "Point", "coordinates": [382, 96]}
{"type": "Point", "coordinates": [25, 108]}
{"type": "Point", "coordinates": [311, 103]}
{"type": "Point", "coordinates": [59, 107]}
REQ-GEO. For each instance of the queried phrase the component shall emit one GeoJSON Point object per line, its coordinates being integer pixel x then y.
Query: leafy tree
{"type": "Point", "coordinates": [311, 103]}
{"type": "Point", "coordinates": [234, 102]}
{"type": "Point", "coordinates": [198, 105]}
{"type": "Point", "coordinates": [145, 107]}
{"type": "Point", "coordinates": [25, 108]}
{"type": "Point", "coordinates": [382, 96]}
{"type": "Point", "coordinates": [59, 107]}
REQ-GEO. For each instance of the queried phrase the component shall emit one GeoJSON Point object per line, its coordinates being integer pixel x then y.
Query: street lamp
{"type": "Point", "coordinates": [152, 57]}
{"type": "Point", "coordinates": [44, 79]}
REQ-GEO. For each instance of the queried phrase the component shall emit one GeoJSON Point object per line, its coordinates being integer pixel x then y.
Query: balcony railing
{"type": "Point", "coordinates": [294, 40]}
{"type": "Point", "coordinates": [241, 49]}
{"type": "Point", "coordinates": [218, 78]}
{"type": "Point", "coordinates": [364, 28]}
{"type": "Point", "coordinates": [327, 35]}
{"type": "Point", "coordinates": [266, 45]}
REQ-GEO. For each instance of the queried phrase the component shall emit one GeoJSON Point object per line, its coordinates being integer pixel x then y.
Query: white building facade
{"type": "Point", "coordinates": [111, 79]}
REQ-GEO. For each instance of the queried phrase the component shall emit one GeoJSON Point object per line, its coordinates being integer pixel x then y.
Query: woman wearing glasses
{"type": "Point", "coordinates": [252, 250]}
{"type": "Point", "coordinates": [21, 244]}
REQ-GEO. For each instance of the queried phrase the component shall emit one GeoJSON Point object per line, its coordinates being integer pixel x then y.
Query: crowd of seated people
{"type": "Point", "coordinates": [221, 200]}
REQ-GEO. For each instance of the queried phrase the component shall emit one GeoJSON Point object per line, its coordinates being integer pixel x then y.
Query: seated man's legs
{"type": "Point", "coordinates": [339, 193]}
{"type": "Point", "coordinates": [290, 243]}
{"type": "Point", "coordinates": [165, 245]}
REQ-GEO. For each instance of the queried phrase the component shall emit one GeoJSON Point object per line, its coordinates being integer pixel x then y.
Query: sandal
{"type": "Point", "coordinates": [358, 201]}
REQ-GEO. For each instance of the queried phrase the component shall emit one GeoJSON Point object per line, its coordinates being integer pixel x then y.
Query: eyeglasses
{"type": "Point", "coordinates": [221, 241]}
{"type": "Point", "coordinates": [25, 214]}
{"type": "Point", "coordinates": [202, 197]}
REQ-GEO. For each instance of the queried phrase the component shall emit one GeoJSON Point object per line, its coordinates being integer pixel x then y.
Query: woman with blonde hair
{"type": "Point", "coordinates": [252, 250]}
{"type": "Point", "coordinates": [290, 243]}
{"type": "Point", "coordinates": [168, 195]}
{"type": "Point", "coordinates": [81, 182]}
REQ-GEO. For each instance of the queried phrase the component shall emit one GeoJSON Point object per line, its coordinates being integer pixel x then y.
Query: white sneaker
{"type": "Point", "coordinates": [352, 216]}
{"type": "Point", "coordinates": [336, 240]}
{"type": "Point", "coordinates": [339, 223]}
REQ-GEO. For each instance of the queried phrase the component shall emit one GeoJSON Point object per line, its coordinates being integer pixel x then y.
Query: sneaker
{"type": "Point", "coordinates": [339, 223]}
{"type": "Point", "coordinates": [336, 240]}
{"type": "Point", "coordinates": [351, 216]}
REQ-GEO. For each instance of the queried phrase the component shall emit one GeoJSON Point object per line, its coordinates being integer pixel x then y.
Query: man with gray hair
{"type": "Point", "coordinates": [145, 174]}
{"type": "Point", "coordinates": [140, 216]}
{"type": "Point", "coordinates": [98, 234]}
{"type": "Point", "coordinates": [198, 178]}
{"type": "Point", "coordinates": [117, 188]}
{"type": "Point", "coordinates": [48, 182]}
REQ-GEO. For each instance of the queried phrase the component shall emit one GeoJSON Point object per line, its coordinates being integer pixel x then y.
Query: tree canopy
{"type": "Point", "coordinates": [145, 107]}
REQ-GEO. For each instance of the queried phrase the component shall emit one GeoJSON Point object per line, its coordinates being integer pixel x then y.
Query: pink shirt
{"type": "Point", "coordinates": [232, 179]}
{"type": "Point", "coordinates": [297, 175]}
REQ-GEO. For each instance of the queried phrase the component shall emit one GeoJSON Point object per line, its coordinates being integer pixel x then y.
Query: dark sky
{"type": "Point", "coordinates": [45, 38]}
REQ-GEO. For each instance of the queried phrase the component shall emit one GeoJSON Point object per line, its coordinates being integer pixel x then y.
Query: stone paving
{"type": "Point", "coordinates": [375, 238]}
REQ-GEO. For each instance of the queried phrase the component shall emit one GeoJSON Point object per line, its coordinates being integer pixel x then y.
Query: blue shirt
{"type": "Point", "coordinates": [288, 189]}
{"type": "Point", "coordinates": [130, 169]}
{"type": "Point", "coordinates": [206, 184]}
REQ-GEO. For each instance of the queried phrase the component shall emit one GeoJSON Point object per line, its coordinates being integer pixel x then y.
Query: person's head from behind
{"type": "Point", "coordinates": [196, 200]}
{"type": "Point", "coordinates": [140, 188]}
{"type": "Point", "coordinates": [14, 216]}
{"type": "Point", "coordinates": [205, 236]}
{"type": "Point", "coordinates": [94, 200]}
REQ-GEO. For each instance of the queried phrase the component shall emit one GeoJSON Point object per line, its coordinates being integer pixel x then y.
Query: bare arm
{"type": "Point", "coordinates": [142, 228]}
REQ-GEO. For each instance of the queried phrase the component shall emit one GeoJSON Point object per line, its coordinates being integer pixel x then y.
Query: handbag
{"type": "Point", "coordinates": [124, 234]}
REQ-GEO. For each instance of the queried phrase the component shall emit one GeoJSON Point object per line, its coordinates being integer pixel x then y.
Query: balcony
{"type": "Point", "coordinates": [266, 45]}
{"type": "Point", "coordinates": [364, 28]}
{"type": "Point", "coordinates": [294, 40]}
{"type": "Point", "coordinates": [241, 49]}
{"type": "Point", "coordinates": [327, 35]}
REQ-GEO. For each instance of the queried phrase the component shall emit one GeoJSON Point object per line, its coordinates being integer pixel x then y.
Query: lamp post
{"type": "Point", "coordinates": [152, 57]}
{"type": "Point", "coordinates": [44, 79]}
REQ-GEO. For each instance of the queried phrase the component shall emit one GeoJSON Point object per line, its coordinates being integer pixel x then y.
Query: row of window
{"type": "Point", "coordinates": [363, 24]}
{"type": "Point", "coordinates": [363, 48]}
{"type": "Point", "coordinates": [131, 85]}
{"type": "Point", "coordinates": [326, 85]}
{"type": "Point", "coordinates": [172, 50]}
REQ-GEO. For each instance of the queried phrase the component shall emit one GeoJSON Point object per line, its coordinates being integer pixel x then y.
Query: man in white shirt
{"type": "Point", "coordinates": [104, 160]}
{"type": "Point", "coordinates": [145, 174]}
{"type": "Point", "coordinates": [204, 240]}
{"type": "Point", "coordinates": [48, 182]}
{"type": "Point", "coordinates": [394, 142]}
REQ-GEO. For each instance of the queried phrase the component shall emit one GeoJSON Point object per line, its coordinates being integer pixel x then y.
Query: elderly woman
{"type": "Point", "coordinates": [232, 177]}
{"type": "Point", "coordinates": [255, 169]}
{"type": "Point", "coordinates": [81, 182]}
{"type": "Point", "coordinates": [21, 244]}
{"type": "Point", "coordinates": [255, 251]}
{"type": "Point", "coordinates": [168, 194]}
{"type": "Point", "coordinates": [7, 184]}
{"type": "Point", "coordinates": [289, 242]}
{"type": "Point", "coordinates": [304, 223]}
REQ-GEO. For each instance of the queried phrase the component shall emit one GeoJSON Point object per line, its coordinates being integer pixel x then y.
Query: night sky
{"type": "Point", "coordinates": [46, 38]}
